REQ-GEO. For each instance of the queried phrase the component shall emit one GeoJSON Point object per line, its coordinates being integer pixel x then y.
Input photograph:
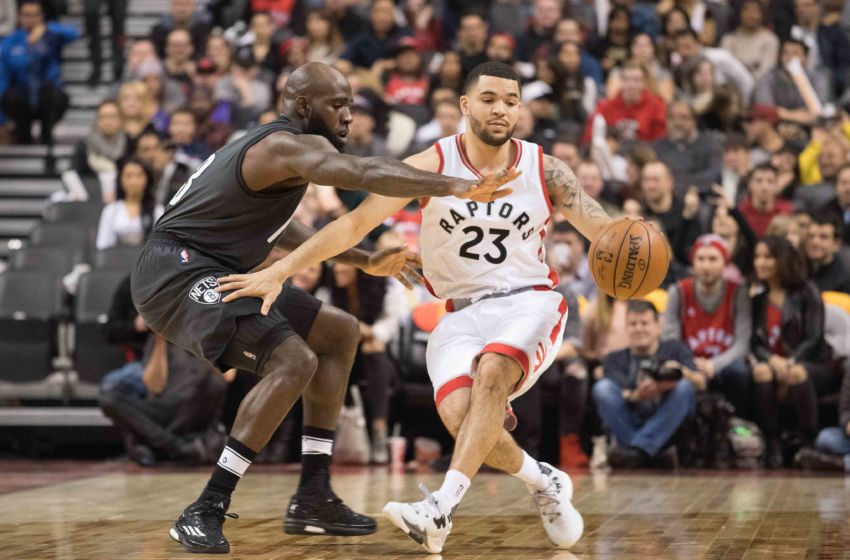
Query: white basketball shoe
{"type": "Point", "coordinates": [425, 522]}
{"type": "Point", "coordinates": [562, 522]}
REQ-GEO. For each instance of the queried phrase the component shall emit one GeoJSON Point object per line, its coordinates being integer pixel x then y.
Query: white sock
{"type": "Point", "coordinates": [531, 474]}
{"type": "Point", "coordinates": [451, 492]}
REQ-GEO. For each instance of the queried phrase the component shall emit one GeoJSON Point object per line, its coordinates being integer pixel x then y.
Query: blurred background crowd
{"type": "Point", "coordinates": [725, 122]}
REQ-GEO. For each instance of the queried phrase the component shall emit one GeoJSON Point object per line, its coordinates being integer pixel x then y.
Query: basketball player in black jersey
{"type": "Point", "coordinates": [225, 220]}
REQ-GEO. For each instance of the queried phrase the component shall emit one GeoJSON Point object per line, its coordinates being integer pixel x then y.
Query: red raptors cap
{"type": "Point", "coordinates": [710, 240]}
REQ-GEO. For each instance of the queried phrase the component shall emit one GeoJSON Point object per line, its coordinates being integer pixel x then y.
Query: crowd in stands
{"type": "Point", "coordinates": [725, 122]}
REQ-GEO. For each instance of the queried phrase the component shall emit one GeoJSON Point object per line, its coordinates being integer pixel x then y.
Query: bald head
{"type": "Point", "coordinates": [313, 79]}
{"type": "Point", "coordinates": [319, 98]}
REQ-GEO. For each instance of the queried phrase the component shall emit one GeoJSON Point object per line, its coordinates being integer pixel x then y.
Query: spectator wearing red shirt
{"type": "Point", "coordinates": [761, 204]}
{"type": "Point", "coordinates": [637, 113]}
{"type": "Point", "coordinates": [407, 83]}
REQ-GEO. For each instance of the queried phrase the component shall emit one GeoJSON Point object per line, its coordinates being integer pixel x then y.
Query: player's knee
{"type": "Point", "coordinates": [293, 360]}
{"type": "Point", "coordinates": [797, 374]}
{"type": "Point", "coordinates": [762, 373]}
{"type": "Point", "coordinates": [345, 329]}
{"type": "Point", "coordinates": [496, 375]}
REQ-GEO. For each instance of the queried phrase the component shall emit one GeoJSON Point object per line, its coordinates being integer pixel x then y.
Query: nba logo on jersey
{"type": "Point", "coordinates": [204, 291]}
{"type": "Point", "coordinates": [184, 256]}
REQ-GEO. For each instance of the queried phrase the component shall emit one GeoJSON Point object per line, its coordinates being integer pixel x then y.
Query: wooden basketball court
{"type": "Point", "coordinates": [112, 511]}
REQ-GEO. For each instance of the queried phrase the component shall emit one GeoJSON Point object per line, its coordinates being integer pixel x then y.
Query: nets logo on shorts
{"type": "Point", "coordinates": [203, 291]}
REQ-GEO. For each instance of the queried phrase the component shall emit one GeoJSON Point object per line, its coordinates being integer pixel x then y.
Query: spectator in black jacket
{"type": "Point", "coordinates": [378, 41]}
{"type": "Point", "coordinates": [183, 14]}
{"type": "Point", "coordinates": [177, 419]}
{"type": "Point", "coordinates": [789, 352]}
{"type": "Point", "coordinates": [840, 205]}
{"type": "Point", "coordinates": [823, 241]}
{"type": "Point", "coordinates": [678, 219]}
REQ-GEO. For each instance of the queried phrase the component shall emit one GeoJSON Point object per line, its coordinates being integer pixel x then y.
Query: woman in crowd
{"type": "Point", "coordinates": [220, 52]}
{"type": "Point", "coordinates": [716, 107]}
{"type": "Point", "coordinates": [673, 21]}
{"type": "Point", "coordinates": [129, 219]}
{"type": "Point", "coordinates": [324, 41]}
{"type": "Point", "coordinates": [642, 51]}
{"type": "Point", "coordinates": [450, 74]}
{"type": "Point", "coordinates": [263, 45]}
{"type": "Point", "coordinates": [579, 93]}
{"type": "Point", "coordinates": [105, 145]}
{"type": "Point", "coordinates": [378, 307]}
{"type": "Point", "coordinates": [789, 353]}
{"type": "Point", "coordinates": [613, 49]}
{"type": "Point", "coordinates": [137, 111]}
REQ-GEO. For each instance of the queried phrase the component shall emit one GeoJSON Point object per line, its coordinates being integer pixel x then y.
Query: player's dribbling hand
{"type": "Point", "coordinates": [265, 284]}
{"type": "Point", "coordinates": [489, 188]}
{"type": "Point", "coordinates": [398, 262]}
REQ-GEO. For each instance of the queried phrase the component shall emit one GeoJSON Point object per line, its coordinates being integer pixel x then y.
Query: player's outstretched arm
{"type": "Point", "coordinates": [313, 158]}
{"type": "Point", "coordinates": [568, 196]}
{"type": "Point", "coordinates": [335, 238]}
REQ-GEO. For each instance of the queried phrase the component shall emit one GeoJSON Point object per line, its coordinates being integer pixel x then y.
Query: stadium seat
{"type": "Point", "coordinates": [116, 258]}
{"type": "Point", "coordinates": [93, 356]}
{"type": "Point", "coordinates": [838, 299]}
{"type": "Point", "coordinates": [56, 261]}
{"type": "Point", "coordinates": [29, 305]}
{"type": "Point", "coordinates": [837, 329]}
{"type": "Point", "coordinates": [658, 298]}
{"type": "Point", "coordinates": [73, 212]}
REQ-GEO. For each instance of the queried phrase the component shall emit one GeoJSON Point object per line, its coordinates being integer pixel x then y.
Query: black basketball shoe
{"type": "Point", "coordinates": [325, 514]}
{"type": "Point", "coordinates": [198, 528]}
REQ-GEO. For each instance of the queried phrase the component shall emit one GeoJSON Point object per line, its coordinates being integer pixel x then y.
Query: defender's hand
{"type": "Point", "coordinates": [398, 262]}
{"type": "Point", "coordinates": [488, 188]}
{"type": "Point", "coordinates": [265, 284]}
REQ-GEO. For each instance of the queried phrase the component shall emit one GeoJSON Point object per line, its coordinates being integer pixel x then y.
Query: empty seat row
{"type": "Point", "coordinates": [30, 310]}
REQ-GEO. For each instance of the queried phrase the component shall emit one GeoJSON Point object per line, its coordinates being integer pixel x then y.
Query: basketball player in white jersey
{"type": "Point", "coordinates": [505, 323]}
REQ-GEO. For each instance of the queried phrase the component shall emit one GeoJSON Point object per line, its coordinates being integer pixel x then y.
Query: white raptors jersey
{"type": "Point", "coordinates": [471, 249]}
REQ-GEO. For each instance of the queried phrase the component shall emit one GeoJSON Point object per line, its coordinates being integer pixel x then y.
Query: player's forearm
{"type": "Point", "coordinates": [298, 233]}
{"type": "Point", "coordinates": [337, 238]}
{"type": "Point", "coordinates": [389, 177]}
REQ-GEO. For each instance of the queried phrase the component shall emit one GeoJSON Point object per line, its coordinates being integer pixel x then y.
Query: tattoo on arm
{"type": "Point", "coordinates": [568, 195]}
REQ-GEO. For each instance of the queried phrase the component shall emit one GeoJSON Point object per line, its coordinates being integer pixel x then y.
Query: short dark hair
{"type": "Point", "coordinates": [825, 218]}
{"type": "Point", "coordinates": [766, 166]}
{"type": "Point", "coordinates": [793, 41]}
{"type": "Point", "coordinates": [492, 68]}
{"type": "Point", "coordinates": [564, 227]}
{"type": "Point", "coordinates": [689, 32]}
{"type": "Point", "coordinates": [642, 306]}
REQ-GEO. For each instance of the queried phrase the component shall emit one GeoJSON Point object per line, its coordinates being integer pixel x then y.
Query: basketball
{"type": "Point", "coordinates": [629, 259]}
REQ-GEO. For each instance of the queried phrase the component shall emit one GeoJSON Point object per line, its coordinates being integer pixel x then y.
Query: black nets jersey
{"type": "Point", "coordinates": [217, 214]}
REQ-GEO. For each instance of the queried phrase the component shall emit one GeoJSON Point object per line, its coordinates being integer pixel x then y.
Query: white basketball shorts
{"type": "Point", "coordinates": [528, 327]}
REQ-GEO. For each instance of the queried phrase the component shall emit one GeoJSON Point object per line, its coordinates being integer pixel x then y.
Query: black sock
{"type": "Point", "coordinates": [805, 402]}
{"type": "Point", "coordinates": [316, 447]}
{"type": "Point", "coordinates": [766, 408]}
{"type": "Point", "coordinates": [235, 459]}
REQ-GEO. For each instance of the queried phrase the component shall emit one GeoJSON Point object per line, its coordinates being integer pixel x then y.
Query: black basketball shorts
{"type": "Point", "coordinates": [173, 289]}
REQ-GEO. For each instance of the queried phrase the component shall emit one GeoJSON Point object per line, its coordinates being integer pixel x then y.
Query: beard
{"type": "Point", "coordinates": [489, 139]}
{"type": "Point", "coordinates": [317, 126]}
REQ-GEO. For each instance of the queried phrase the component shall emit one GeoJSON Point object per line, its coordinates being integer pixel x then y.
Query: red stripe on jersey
{"type": "Point", "coordinates": [562, 309]}
{"type": "Point", "coordinates": [463, 157]}
{"type": "Point", "coordinates": [511, 352]}
{"type": "Point", "coordinates": [451, 386]}
{"type": "Point", "coordinates": [543, 179]}
{"type": "Point", "coordinates": [424, 202]}
{"type": "Point", "coordinates": [429, 288]}
{"type": "Point", "coordinates": [518, 156]}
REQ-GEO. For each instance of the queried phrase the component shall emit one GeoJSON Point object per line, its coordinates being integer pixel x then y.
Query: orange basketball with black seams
{"type": "Point", "coordinates": [630, 259]}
